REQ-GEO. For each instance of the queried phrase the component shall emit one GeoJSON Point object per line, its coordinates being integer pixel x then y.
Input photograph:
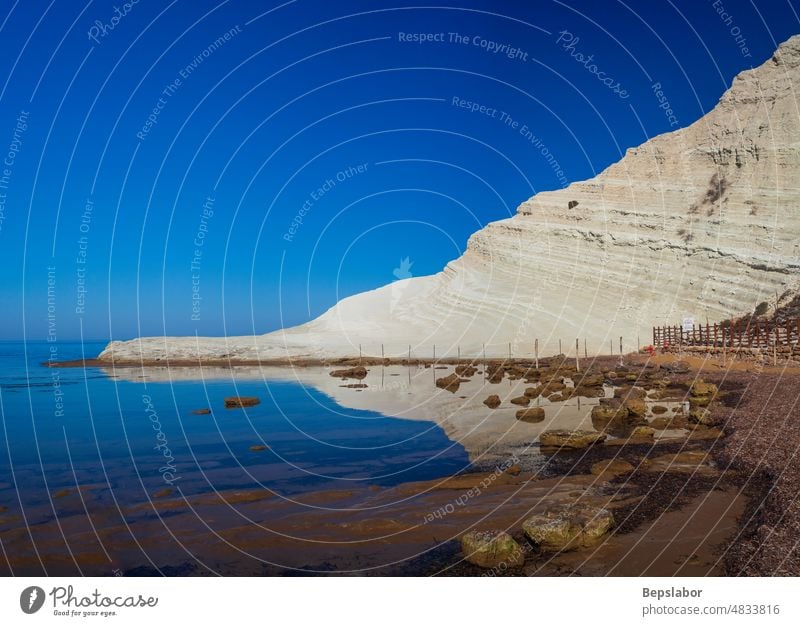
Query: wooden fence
{"type": "Point", "coordinates": [751, 333]}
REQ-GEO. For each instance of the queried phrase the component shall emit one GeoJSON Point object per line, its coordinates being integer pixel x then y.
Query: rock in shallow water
{"type": "Point", "coordinates": [239, 402]}
{"type": "Point", "coordinates": [492, 401]}
{"type": "Point", "coordinates": [570, 438]}
{"type": "Point", "coordinates": [536, 414]}
{"type": "Point", "coordinates": [491, 548]}
{"type": "Point", "coordinates": [358, 372]}
{"type": "Point", "coordinates": [570, 527]}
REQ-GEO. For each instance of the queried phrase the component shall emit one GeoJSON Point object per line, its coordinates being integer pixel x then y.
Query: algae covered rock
{"type": "Point", "coordinates": [569, 527]}
{"type": "Point", "coordinates": [491, 548]}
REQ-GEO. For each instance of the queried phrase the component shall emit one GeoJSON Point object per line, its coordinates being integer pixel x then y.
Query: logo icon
{"type": "Point", "coordinates": [31, 599]}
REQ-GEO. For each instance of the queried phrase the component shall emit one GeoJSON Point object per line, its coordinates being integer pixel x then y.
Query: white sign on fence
{"type": "Point", "coordinates": [688, 324]}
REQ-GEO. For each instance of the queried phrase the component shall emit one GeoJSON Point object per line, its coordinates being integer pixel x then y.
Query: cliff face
{"type": "Point", "coordinates": [702, 222]}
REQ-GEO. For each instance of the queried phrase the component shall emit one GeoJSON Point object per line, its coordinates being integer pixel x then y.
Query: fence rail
{"type": "Point", "coordinates": [743, 334]}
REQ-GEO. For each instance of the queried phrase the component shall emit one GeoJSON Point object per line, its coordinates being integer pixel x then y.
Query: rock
{"type": "Point", "coordinates": [514, 470]}
{"type": "Point", "coordinates": [533, 415]}
{"type": "Point", "coordinates": [534, 392]}
{"type": "Point", "coordinates": [635, 407]}
{"type": "Point", "coordinates": [492, 401]}
{"type": "Point", "coordinates": [240, 402]}
{"type": "Point", "coordinates": [258, 448]}
{"type": "Point", "coordinates": [668, 423]}
{"type": "Point", "coordinates": [575, 439]}
{"type": "Point", "coordinates": [358, 372]}
{"type": "Point", "coordinates": [696, 401]}
{"type": "Point", "coordinates": [521, 400]}
{"type": "Point", "coordinates": [658, 409]}
{"type": "Point", "coordinates": [589, 380]}
{"type": "Point", "coordinates": [466, 370]}
{"type": "Point", "coordinates": [556, 397]}
{"type": "Point", "coordinates": [676, 367]}
{"type": "Point", "coordinates": [643, 432]}
{"type": "Point", "coordinates": [589, 392]}
{"type": "Point", "coordinates": [700, 388]}
{"type": "Point", "coordinates": [492, 548]}
{"type": "Point", "coordinates": [630, 393]}
{"type": "Point", "coordinates": [201, 411]}
{"type": "Point", "coordinates": [701, 416]}
{"type": "Point", "coordinates": [608, 412]}
{"type": "Point", "coordinates": [611, 467]}
{"type": "Point", "coordinates": [355, 386]}
{"type": "Point", "coordinates": [449, 383]}
{"type": "Point", "coordinates": [569, 527]}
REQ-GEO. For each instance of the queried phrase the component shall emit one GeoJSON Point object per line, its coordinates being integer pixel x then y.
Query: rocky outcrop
{"type": "Point", "coordinates": [240, 402]}
{"type": "Point", "coordinates": [700, 222]}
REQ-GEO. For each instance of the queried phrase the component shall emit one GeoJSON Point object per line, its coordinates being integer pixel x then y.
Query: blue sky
{"type": "Point", "coordinates": [232, 167]}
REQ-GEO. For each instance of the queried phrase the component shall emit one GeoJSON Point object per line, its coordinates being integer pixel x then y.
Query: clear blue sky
{"type": "Point", "coordinates": [328, 111]}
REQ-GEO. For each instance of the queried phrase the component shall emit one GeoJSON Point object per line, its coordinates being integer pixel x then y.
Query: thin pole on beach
{"type": "Point", "coordinates": [638, 344]}
{"type": "Point", "coordinates": [560, 351]}
{"type": "Point", "coordinates": [434, 352]}
{"type": "Point", "coordinates": [459, 353]}
{"type": "Point", "coordinates": [382, 355]}
{"type": "Point", "coordinates": [409, 354]}
{"type": "Point", "coordinates": [509, 350]}
{"type": "Point", "coordinates": [611, 343]}
{"type": "Point", "coordinates": [484, 356]}
{"type": "Point", "coordinates": [359, 353]}
{"type": "Point", "coordinates": [585, 351]}
{"type": "Point", "coordinates": [577, 354]}
{"type": "Point", "coordinates": [536, 352]}
{"type": "Point", "coordinates": [620, 346]}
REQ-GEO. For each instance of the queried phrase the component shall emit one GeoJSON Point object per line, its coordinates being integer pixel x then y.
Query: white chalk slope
{"type": "Point", "coordinates": [703, 221]}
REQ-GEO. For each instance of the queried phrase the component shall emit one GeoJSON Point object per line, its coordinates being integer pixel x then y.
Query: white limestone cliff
{"type": "Point", "coordinates": [703, 222]}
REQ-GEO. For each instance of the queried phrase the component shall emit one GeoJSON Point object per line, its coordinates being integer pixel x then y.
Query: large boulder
{"type": "Point", "coordinates": [521, 400]}
{"type": "Point", "coordinates": [569, 527]}
{"type": "Point", "coordinates": [532, 415]}
{"type": "Point", "coordinates": [492, 548]}
{"type": "Point", "coordinates": [358, 372]}
{"type": "Point", "coordinates": [575, 439]}
{"type": "Point", "coordinates": [701, 416]}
